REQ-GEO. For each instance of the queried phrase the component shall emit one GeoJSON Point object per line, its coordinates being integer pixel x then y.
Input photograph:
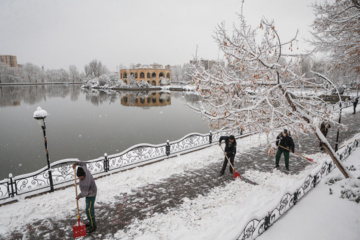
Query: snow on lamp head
{"type": "Point", "coordinates": [40, 116]}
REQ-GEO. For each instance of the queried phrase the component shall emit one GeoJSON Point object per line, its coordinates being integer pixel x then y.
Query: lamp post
{"type": "Point", "coordinates": [338, 131]}
{"type": "Point", "coordinates": [40, 116]}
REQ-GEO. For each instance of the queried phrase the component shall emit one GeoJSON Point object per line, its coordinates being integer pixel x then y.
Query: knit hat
{"type": "Point", "coordinates": [285, 131]}
{"type": "Point", "coordinates": [80, 172]}
{"type": "Point", "coordinates": [232, 137]}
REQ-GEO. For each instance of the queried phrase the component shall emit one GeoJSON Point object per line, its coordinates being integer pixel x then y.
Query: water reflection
{"type": "Point", "coordinates": [138, 98]}
{"type": "Point", "coordinates": [154, 99]}
{"type": "Point", "coordinates": [15, 95]}
{"type": "Point", "coordinates": [85, 124]}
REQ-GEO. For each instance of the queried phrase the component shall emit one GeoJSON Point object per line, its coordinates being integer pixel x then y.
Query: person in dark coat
{"type": "Point", "coordinates": [286, 141]}
{"type": "Point", "coordinates": [88, 190]}
{"type": "Point", "coordinates": [230, 151]}
{"type": "Point", "coordinates": [324, 128]}
{"type": "Point", "coordinates": [355, 103]}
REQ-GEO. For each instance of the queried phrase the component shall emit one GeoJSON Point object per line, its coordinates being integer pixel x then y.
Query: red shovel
{"type": "Point", "coordinates": [236, 174]}
{"type": "Point", "coordinates": [79, 228]}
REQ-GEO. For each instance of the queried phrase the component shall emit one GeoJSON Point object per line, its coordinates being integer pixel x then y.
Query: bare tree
{"type": "Point", "coordinates": [259, 66]}
{"type": "Point", "coordinates": [8, 74]}
{"type": "Point", "coordinates": [95, 69]}
{"type": "Point", "coordinates": [74, 75]}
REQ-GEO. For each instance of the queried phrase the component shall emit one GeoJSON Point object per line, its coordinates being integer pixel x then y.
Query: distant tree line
{"type": "Point", "coordinates": [30, 73]}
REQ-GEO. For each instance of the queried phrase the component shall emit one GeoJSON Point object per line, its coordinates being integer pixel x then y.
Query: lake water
{"type": "Point", "coordinates": [86, 124]}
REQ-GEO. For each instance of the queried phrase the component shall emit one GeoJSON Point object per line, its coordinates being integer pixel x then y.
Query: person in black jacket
{"type": "Point", "coordinates": [355, 103]}
{"type": "Point", "coordinates": [286, 141]}
{"type": "Point", "coordinates": [324, 128]}
{"type": "Point", "coordinates": [230, 151]}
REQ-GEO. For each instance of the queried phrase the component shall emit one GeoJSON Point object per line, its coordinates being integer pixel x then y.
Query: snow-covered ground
{"type": "Point", "coordinates": [322, 215]}
{"type": "Point", "coordinates": [221, 214]}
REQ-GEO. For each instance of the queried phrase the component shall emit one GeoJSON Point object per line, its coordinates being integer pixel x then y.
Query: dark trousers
{"type": "Point", "coordinates": [231, 158]}
{"type": "Point", "coordinates": [90, 212]}
{"type": "Point", "coordinates": [286, 156]}
{"type": "Point", "coordinates": [355, 108]}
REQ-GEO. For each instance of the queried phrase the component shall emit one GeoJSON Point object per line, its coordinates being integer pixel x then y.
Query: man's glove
{"type": "Point", "coordinates": [219, 143]}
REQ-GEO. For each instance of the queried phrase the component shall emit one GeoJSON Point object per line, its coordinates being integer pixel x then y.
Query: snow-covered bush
{"type": "Point", "coordinates": [113, 81]}
{"type": "Point", "coordinates": [144, 84]}
{"type": "Point", "coordinates": [133, 84]}
{"type": "Point", "coordinates": [351, 190]}
{"type": "Point", "coordinates": [91, 83]}
{"type": "Point", "coordinates": [103, 79]}
{"type": "Point", "coordinates": [164, 81]}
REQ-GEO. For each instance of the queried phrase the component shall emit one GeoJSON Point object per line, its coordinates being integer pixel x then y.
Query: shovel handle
{"type": "Point", "coordinates": [293, 152]}
{"type": "Point", "coordinates": [227, 158]}
{"type": "Point", "coordinates": [76, 194]}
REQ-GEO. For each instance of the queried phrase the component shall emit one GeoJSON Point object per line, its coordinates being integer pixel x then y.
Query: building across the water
{"type": "Point", "coordinates": [9, 59]}
{"type": "Point", "coordinates": [154, 74]}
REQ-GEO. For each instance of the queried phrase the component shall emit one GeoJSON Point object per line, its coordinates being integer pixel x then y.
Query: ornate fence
{"type": "Point", "coordinates": [338, 105]}
{"type": "Point", "coordinates": [256, 227]}
{"type": "Point", "coordinates": [63, 174]}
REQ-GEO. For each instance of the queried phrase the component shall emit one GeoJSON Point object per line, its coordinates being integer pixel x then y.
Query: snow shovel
{"type": "Point", "coordinates": [309, 159]}
{"type": "Point", "coordinates": [236, 174]}
{"type": "Point", "coordinates": [79, 228]}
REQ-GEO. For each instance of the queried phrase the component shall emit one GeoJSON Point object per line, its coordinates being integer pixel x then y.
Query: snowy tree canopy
{"type": "Point", "coordinates": [336, 30]}
{"type": "Point", "coordinates": [259, 63]}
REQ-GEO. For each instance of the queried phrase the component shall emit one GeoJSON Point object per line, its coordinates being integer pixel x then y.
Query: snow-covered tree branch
{"type": "Point", "coordinates": [256, 64]}
{"type": "Point", "coordinates": [336, 30]}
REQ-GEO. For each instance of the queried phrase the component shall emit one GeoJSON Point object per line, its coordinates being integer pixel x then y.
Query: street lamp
{"type": "Point", "coordinates": [40, 116]}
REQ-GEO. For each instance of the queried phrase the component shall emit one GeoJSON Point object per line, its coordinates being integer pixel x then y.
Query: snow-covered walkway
{"type": "Point", "coordinates": [178, 198]}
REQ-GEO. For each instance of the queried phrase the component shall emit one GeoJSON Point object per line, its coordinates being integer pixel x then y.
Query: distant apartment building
{"type": "Point", "coordinates": [9, 59]}
{"type": "Point", "coordinates": [153, 74]}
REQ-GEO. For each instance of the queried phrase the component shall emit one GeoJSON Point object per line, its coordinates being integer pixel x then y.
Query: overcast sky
{"type": "Point", "coordinates": [59, 33]}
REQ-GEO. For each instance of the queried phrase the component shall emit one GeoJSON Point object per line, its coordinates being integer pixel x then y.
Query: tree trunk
{"type": "Point", "coordinates": [333, 156]}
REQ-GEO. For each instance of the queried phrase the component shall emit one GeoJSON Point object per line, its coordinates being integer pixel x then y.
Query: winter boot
{"type": "Point", "coordinates": [90, 229]}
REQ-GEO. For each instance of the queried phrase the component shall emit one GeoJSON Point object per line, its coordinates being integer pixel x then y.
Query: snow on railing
{"type": "Point", "coordinates": [345, 104]}
{"type": "Point", "coordinates": [141, 154]}
{"type": "Point", "coordinates": [256, 227]}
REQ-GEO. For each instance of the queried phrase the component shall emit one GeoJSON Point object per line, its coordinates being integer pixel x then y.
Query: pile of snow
{"type": "Point", "coordinates": [40, 113]}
